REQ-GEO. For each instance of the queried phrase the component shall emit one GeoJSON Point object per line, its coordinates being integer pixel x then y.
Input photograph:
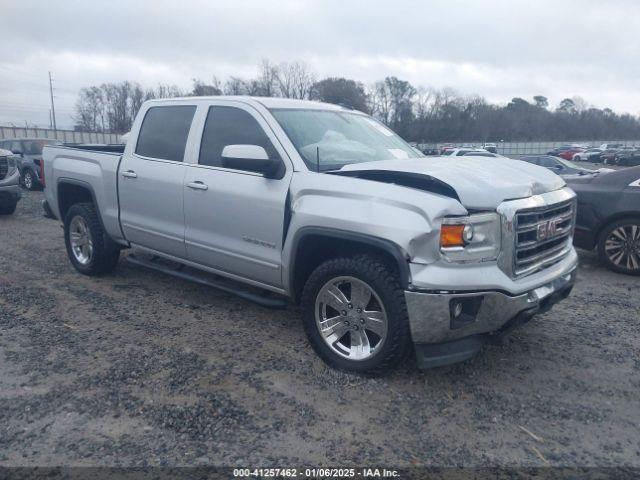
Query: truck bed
{"type": "Point", "coordinates": [94, 167]}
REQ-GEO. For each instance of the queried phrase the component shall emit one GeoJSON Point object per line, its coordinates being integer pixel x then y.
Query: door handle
{"type": "Point", "coordinates": [130, 174]}
{"type": "Point", "coordinates": [197, 185]}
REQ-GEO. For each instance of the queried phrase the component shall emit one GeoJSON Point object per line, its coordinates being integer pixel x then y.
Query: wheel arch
{"type": "Point", "coordinates": [612, 219]}
{"type": "Point", "coordinates": [71, 191]}
{"type": "Point", "coordinates": [313, 245]}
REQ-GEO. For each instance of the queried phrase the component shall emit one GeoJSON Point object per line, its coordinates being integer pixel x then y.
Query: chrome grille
{"type": "Point", "coordinates": [4, 167]}
{"type": "Point", "coordinates": [543, 236]}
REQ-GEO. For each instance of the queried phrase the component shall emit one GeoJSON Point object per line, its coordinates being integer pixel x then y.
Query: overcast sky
{"type": "Point", "coordinates": [499, 49]}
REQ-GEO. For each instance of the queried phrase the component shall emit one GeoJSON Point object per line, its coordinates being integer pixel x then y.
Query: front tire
{"type": "Point", "coordinates": [29, 180]}
{"type": "Point", "coordinates": [619, 246]}
{"type": "Point", "coordinates": [355, 314]}
{"type": "Point", "coordinates": [89, 248]}
{"type": "Point", "coordinates": [8, 208]}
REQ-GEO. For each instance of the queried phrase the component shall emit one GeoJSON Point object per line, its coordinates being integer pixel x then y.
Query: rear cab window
{"type": "Point", "coordinates": [164, 132]}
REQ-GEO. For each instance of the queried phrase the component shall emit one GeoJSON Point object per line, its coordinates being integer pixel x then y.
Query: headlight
{"type": "Point", "coordinates": [12, 165]}
{"type": "Point", "coordinates": [475, 238]}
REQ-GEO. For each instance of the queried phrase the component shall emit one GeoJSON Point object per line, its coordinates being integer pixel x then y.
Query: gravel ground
{"type": "Point", "coordinates": [138, 368]}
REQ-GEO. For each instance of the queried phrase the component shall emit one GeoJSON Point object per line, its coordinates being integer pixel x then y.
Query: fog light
{"type": "Point", "coordinates": [456, 309]}
{"type": "Point", "coordinates": [464, 310]}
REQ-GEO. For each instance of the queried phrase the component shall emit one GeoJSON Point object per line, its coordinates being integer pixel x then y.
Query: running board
{"type": "Point", "coordinates": [238, 290]}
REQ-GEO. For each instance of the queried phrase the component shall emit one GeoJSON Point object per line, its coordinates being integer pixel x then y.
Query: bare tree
{"type": "Point", "coordinates": [90, 110]}
{"type": "Point", "coordinates": [423, 114]}
{"type": "Point", "coordinates": [424, 101]}
{"type": "Point", "coordinates": [303, 80]}
{"type": "Point", "coordinates": [236, 86]}
{"type": "Point", "coordinates": [165, 91]}
{"type": "Point", "coordinates": [380, 102]}
{"type": "Point", "coordinates": [113, 106]}
{"type": "Point", "coordinates": [137, 98]}
{"type": "Point", "coordinates": [295, 80]}
{"type": "Point", "coordinates": [201, 89]}
{"type": "Point", "coordinates": [285, 80]}
{"type": "Point", "coordinates": [267, 82]}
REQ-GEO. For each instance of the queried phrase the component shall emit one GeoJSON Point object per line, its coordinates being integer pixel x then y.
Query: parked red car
{"type": "Point", "coordinates": [566, 151]}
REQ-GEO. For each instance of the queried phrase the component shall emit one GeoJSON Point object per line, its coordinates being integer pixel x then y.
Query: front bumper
{"type": "Point", "coordinates": [10, 188]}
{"type": "Point", "coordinates": [451, 327]}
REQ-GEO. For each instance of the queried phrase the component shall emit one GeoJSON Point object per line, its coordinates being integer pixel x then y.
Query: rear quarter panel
{"type": "Point", "coordinates": [96, 171]}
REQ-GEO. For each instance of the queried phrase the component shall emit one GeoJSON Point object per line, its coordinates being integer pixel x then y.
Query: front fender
{"type": "Point", "coordinates": [403, 218]}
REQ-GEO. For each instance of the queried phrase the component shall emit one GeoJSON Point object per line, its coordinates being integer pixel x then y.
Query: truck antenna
{"type": "Point", "coordinates": [317, 159]}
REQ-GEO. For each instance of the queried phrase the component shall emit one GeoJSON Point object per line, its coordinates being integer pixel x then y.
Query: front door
{"type": "Point", "coordinates": [234, 219]}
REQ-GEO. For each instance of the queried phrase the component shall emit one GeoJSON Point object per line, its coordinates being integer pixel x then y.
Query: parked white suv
{"type": "Point", "coordinates": [385, 250]}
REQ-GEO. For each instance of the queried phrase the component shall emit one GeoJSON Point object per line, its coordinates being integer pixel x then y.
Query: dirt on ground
{"type": "Point", "coordinates": [137, 368]}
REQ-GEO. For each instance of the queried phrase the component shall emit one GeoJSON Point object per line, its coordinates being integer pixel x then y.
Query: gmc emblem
{"type": "Point", "coordinates": [548, 229]}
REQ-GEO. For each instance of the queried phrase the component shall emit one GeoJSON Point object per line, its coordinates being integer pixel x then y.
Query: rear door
{"type": "Point", "coordinates": [150, 180]}
{"type": "Point", "coordinates": [234, 219]}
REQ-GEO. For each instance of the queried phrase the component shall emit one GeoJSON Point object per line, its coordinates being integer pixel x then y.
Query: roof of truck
{"type": "Point", "coordinates": [268, 102]}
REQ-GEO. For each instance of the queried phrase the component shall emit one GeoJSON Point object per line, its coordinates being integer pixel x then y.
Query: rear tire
{"type": "Point", "coordinates": [367, 335]}
{"type": "Point", "coordinates": [8, 208]}
{"type": "Point", "coordinates": [89, 248]}
{"type": "Point", "coordinates": [619, 246]}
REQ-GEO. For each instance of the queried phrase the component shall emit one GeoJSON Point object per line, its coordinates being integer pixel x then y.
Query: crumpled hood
{"type": "Point", "coordinates": [480, 182]}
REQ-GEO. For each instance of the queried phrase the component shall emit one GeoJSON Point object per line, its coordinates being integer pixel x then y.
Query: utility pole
{"type": "Point", "coordinates": [53, 108]}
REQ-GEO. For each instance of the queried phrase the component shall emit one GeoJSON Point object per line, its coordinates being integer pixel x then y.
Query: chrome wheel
{"type": "Point", "coordinates": [28, 180]}
{"type": "Point", "coordinates": [80, 239]}
{"type": "Point", "coordinates": [351, 318]}
{"type": "Point", "coordinates": [622, 247]}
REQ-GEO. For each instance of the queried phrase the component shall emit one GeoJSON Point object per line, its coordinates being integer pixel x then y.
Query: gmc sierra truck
{"type": "Point", "coordinates": [290, 201]}
{"type": "Point", "coordinates": [9, 182]}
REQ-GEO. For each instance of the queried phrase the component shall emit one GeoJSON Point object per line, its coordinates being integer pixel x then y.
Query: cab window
{"type": "Point", "coordinates": [164, 132]}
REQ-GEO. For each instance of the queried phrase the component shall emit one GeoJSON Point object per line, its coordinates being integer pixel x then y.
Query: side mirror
{"type": "Point", "coordinates": [252, 158]}
{"type": "Point", "coordinates": [17, 152]}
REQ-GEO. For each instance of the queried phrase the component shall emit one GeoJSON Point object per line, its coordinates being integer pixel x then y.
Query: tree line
{"type": "Point", "coordinates": [420, 114]}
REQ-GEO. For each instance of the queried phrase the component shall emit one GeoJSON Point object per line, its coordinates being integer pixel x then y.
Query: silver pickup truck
{"type": "Point", "coordinates": [387, 252]}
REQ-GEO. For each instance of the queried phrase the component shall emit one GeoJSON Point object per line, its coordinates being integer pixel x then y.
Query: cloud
{"type": "Point", "coordinates": [498, 49]}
